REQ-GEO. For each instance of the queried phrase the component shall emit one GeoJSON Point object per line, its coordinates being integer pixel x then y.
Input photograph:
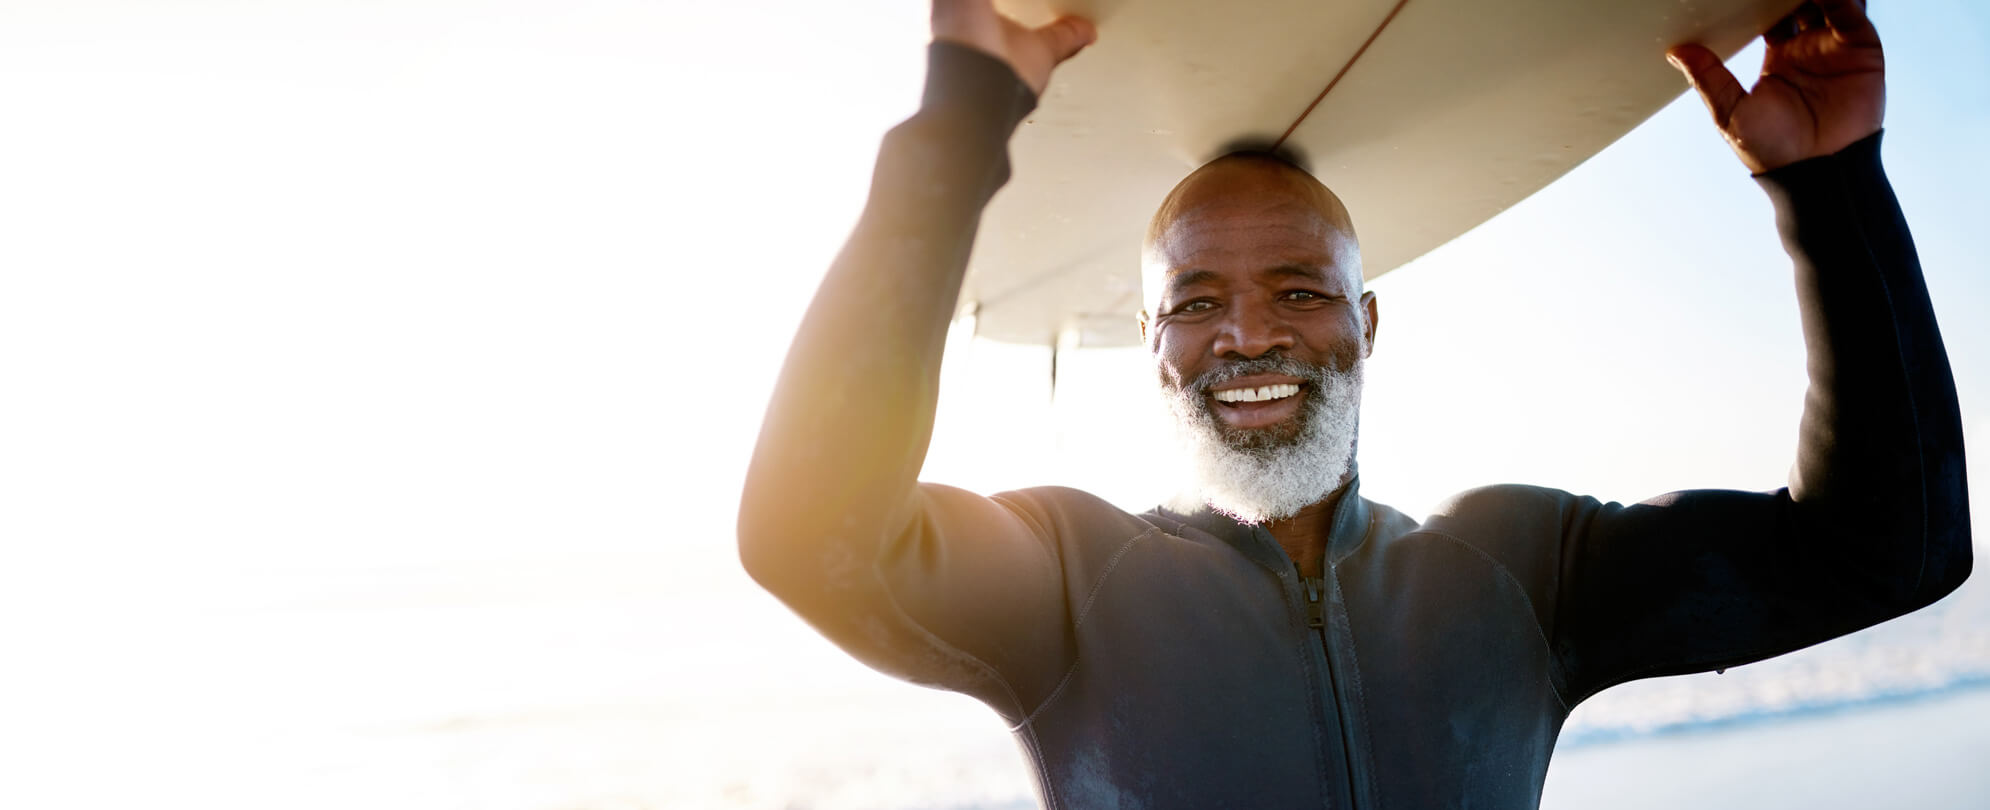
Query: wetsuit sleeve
{"type": "Point", "coordinates": [932, 584]}
{"type": "Point", "coordinates": [1874, 522]}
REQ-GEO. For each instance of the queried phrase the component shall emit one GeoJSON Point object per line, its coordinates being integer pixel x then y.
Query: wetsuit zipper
{"type": "Point", "coordinates": [1316, 620]}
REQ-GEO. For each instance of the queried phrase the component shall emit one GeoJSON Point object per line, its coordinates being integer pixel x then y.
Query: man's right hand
{"type": "Point", "coordinates": [1031, 52]}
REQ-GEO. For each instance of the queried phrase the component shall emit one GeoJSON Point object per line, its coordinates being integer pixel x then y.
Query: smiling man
{"type": "Point", "coordinates": [1259, 328]}
{"type": "Point", "coordinates": [1283, 641]}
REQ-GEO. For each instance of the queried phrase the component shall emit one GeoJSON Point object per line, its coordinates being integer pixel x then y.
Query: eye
{"type": "Point", "coordinates": [1197, 305]}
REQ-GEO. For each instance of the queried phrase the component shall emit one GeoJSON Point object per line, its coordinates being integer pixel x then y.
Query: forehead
{"type": "Point", "coordinates": [1244, 228]}
{"type": "Point", "coordinates": [1240, 224]}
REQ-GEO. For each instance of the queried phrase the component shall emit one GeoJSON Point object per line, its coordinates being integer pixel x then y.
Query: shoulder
{"type": "Point", "coordinates": [1500, 503]}
{"type": "Point", "coordinates": [1065, 513]}
{"type": "Point", "coordinates": [1517, 524]}
{"type": "Point", "coordinates": [1388, 521]}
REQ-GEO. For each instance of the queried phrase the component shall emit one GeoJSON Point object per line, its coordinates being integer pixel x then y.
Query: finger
{"type": "Point", "coordinates": [1067, 36]}
{"type": "Point", "coordinates": [1717, 87]}
{"type": "Point", "coordinates": [1809, 18]}
{"type": "Point", "coordinates": [1848, 20]}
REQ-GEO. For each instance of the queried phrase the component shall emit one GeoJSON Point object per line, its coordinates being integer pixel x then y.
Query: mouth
{"type": "Point", "coordinates": [1250, 403]}
{"type": "Point", "coordinates": [1262, 393]}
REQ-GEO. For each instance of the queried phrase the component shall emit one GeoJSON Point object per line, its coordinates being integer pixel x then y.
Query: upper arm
{"type": "Point", "coordinates": [1702, 579]}
{"type": "Point", "coordinates": [966, 595]}
{"type": "Point", "coordinates": [1875, 522]}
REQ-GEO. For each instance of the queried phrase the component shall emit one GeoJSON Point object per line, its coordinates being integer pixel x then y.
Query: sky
{"type": "Point", "coordinates": [297, 297]}
{"type": "Point", "coordinates": [269, 259]}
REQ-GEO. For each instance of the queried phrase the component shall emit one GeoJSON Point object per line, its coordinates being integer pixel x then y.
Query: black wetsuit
{"type": "Point", "coordinates": [1179, 660]}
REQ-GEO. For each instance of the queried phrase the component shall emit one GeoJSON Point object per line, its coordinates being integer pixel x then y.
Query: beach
{"type": "Point", "coordinates": [1926, 752]}
{"type": "Point", "coordinates": [587, 685]}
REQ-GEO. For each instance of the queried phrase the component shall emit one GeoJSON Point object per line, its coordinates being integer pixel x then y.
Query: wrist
{"type": "Point", "coordinates": [1862, 151]}
{"type": "Point", "coordinates": [982, 88]}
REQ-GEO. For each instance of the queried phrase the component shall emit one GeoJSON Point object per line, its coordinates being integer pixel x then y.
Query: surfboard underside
{"type": "Point", "coordinates": [1427, 117]}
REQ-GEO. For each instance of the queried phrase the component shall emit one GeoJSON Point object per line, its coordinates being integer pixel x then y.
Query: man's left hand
{"type": "Point", "coordinates": [1823, 86]}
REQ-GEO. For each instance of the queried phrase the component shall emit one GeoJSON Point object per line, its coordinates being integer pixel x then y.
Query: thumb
{"type": "Point", "coordinates": [1066, 36]}
{"type": "Point", "coordinates": [1717, 87]}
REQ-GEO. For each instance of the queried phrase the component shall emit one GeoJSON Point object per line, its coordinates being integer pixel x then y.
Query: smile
{"type": "Point", "coordinates": [1263, 393]}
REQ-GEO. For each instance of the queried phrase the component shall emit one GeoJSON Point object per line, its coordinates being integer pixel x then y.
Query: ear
{"type": "Point", "coordinates": [1143, 319]}
{"type": "Point", "coordinates": [1368, 329]}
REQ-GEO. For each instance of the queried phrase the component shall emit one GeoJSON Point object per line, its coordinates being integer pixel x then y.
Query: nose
{"type": "Point", "coordinates": [1250, 329]}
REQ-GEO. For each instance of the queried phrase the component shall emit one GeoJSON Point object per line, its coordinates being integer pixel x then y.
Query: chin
{"type": "Point", "coordinates": [1260, 439]}
{"type": "Point", "coordinates": [1256, 475]}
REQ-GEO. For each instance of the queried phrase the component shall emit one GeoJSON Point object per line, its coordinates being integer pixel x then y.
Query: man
{"type": "Point", "coordinates": [1286, 642]}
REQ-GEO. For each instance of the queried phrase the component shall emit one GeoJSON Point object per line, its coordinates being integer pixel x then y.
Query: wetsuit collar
{"type": "Point", "coordinates": [1347, 530]}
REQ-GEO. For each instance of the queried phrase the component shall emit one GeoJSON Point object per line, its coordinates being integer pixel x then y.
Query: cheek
{"type": "Point", "coordinates": [1173, 355]}
{"type": "Point", "coordinates": [1337, 337]}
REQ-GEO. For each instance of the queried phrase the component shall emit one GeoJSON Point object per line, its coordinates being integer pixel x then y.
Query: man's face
{"type": "Point", "coordinates": [1252, 261]}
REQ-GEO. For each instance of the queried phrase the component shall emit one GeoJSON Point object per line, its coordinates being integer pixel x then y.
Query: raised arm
{"type": "Point", "coordinates": [928, 583]}
{"type": "Point", "coordinates": [1874, 522]}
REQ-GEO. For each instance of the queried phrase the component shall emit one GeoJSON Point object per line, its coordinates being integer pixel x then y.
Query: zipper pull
{"type": "Point", "coordinates": [1315, 615]}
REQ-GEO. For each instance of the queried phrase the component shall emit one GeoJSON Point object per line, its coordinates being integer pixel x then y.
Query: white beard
{"type": "Point", "coordinates": [1261, 478]}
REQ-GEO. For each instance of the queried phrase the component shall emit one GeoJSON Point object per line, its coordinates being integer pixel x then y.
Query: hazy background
{"type": "Point", "coordinates": [376, 381]}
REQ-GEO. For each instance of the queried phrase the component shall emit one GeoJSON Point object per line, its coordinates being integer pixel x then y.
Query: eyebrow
{"type": "Point", "coordinates": [1193, 277]}
{"type": "Point", "coordinates": [1190, 279]}
{"type": "Point", "coordinates": [1297, 271]}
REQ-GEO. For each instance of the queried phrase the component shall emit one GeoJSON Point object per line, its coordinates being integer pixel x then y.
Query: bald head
{"type": "Point", "coordinates": [1240, 200]}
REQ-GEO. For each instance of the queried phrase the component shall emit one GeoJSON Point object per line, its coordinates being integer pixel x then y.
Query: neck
{"type": "Point", "coordinates": [1304, 535]}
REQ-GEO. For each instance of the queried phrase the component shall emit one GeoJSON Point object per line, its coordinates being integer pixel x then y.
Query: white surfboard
{"type": "Point", "coordinates": [1427, 117]}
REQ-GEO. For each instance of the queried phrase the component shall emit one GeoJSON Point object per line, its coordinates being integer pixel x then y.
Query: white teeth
{"type": "Point", "coordinates": [1258, 394]}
